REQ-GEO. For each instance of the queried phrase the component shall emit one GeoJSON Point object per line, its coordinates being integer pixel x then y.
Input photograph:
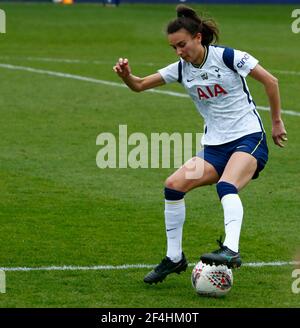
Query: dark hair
{"type": "Point", "coordinates": [188, 19]}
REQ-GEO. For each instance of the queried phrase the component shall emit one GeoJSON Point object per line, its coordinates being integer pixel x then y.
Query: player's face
{"type": "Point", "coordinates": [188, 47]}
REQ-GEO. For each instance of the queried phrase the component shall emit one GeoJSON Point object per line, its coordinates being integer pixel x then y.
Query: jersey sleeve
{"type": "Point", "coordinates": [243, 62]}
{"type": "Point", "coordinates": [171, 73]}
{"type": "Point", "coordinates": [239, 61]}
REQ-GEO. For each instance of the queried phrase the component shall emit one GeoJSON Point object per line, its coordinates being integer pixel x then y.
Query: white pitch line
{"type": "Point", "coordinates": [130, 266]}
{"type": "Point", "coordinates": [285, 72]}
{"type": "Point", "coordinates": [71, 61]}
{"type": "Point", "coordinates": [79, 268]}
{"type": "Point", "coordinates": [60, 74]}
{"type": "Point", "coordinates": [109, 62]}
{"type": "Point", "coordinates": [284, 111]}
{"type": "Point", "coordinates": [115, 84]}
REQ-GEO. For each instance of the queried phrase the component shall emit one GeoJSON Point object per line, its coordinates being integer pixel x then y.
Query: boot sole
{"type": "Point", "coordinates": [228, 264]}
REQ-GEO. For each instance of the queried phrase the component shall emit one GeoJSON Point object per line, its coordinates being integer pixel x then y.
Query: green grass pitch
{"type": "Point", "coordinates": [57, 208]}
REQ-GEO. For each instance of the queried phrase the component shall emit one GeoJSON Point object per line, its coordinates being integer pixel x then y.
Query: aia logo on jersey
{"type": "Point", "coordinates": [209, 92]}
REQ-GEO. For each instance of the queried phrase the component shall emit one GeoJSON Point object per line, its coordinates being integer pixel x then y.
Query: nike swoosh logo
{"type": "Point", "coordinates": [190, 80]}
{"type": "Point", "coordinates": [171, 229]}
{"type": "Point", "coordinates": [240, 146]}
{"type": "Point", "coordinates": [226, 224]}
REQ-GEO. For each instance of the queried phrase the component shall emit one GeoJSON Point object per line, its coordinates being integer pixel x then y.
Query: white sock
{"type": "Point", "coordinates": [174, 219]}
{"type": "Point", "coordinates": [233, 217]}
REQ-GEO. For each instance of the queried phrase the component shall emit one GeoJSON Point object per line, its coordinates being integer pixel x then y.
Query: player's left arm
{"type": "Point", "coordinates": [270, 83]}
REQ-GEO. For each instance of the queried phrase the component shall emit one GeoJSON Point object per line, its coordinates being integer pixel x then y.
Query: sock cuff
{"type": "Point", "coordinates": [172, 194]}
{"type": "Point", "coordinates": [225, 188]}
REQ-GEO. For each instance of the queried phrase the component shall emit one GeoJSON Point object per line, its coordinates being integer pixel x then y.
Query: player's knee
{"type": "Point", "coordinates": [225, 188]}
{"type": "Point", "coordinates": [175, 184]}
{"type": "Point", "coordinates": [170, 183]}
{"type": "Point", "coordinates": [172, 194]}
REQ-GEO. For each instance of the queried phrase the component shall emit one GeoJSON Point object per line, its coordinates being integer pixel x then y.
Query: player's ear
{"type": "Point", "coordinates": [198, 37]}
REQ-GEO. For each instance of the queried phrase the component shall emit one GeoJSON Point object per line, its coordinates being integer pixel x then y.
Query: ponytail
{"type": "Point", "coordinates": [188, 19]}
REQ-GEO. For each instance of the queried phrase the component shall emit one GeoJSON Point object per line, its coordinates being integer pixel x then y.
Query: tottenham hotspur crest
{"type": "Point", "coordinates": [217, 70]}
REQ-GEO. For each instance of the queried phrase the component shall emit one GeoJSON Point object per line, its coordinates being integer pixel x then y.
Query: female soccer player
{"type": "Point", "coordinates": [235, 148]}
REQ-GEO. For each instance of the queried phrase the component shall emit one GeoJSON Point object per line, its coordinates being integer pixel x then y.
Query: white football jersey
{"type": "Point", "coordinates": [220, 92]}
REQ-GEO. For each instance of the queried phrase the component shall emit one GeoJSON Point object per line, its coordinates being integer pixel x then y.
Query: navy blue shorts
{"type": "Point", "coordinates": [254, 144]}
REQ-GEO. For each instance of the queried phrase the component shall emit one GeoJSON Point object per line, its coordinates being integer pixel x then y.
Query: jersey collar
{"type": "Point", "coordinates": [204, 59]}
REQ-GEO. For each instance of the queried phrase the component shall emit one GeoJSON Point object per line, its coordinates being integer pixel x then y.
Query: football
{"type": "Point", "coordinates": [211, 280]}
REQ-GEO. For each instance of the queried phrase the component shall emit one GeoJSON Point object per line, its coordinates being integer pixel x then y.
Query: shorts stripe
{"type": "Point", "coordinates": [261, 139]}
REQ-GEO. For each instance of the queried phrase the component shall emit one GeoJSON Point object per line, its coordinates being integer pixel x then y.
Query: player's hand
{"type": "Point", "coordinates": [122, 68]}
{"type": "Point", "coordinates": [279, 134]}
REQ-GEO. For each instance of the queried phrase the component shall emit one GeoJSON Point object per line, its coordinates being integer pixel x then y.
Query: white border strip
{"type": "Point", "coordinates": [130, 266]}
{"type": "Point", "coordinates": [114, 84]}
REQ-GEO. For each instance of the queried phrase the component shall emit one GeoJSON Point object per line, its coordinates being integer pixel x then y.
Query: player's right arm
{"type": "Point", "coordinates": [136, 83]}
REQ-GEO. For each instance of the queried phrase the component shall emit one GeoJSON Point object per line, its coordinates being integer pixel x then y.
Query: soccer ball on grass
{"type": "Point", "coordinates": [211, 280]}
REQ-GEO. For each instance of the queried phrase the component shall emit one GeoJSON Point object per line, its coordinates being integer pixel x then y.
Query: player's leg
{"type": "Point", "coordinates": [248, 156]}
{"type": "Point", "coordinates": [239, 170]}
{"type": "Point", "coordinates": [194, 173]}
